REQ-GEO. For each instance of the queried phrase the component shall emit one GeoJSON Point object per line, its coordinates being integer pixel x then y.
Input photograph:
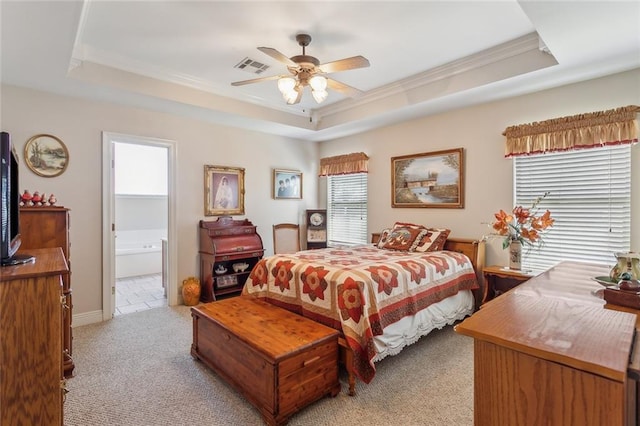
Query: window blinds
{"type": "Point", "coordinates": [347, 209]}
{"type": "Point", "coordinates": [590, 199]}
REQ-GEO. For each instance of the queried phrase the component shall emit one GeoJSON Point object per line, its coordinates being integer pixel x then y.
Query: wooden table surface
{"type": "Point", "coordinates": [559, 316]}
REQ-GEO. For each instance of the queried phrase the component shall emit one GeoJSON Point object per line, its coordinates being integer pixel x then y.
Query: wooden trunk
{"type": "Point", "coordinates": [278, 360]}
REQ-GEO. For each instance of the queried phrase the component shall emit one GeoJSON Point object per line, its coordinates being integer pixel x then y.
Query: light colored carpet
{"type": "Point", "coordinates": [137, 370]}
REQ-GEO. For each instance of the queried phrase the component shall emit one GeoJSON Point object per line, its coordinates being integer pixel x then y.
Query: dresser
{"type": "Point", "coordinates": [549, 352]}
{"type": "Point", "coordinates": [31, 310]}
{"type": "Point", "coordinates": [48, 227]}
{"type": "Point", "coordinates": [229, 249]}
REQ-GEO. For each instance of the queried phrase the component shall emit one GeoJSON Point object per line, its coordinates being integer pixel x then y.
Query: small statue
{"type": "Point", "coordinates": [36, 199]}
{"type": "Point", "coordinates": [52, 199]}
{"type": "Point", "coordinates": [26, 198]}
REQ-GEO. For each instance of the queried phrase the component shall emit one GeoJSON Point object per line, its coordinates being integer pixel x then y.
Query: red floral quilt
{"type": "Point", "coordinates": [360, 290]}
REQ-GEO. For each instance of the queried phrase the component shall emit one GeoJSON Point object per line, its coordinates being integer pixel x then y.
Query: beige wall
{"type": "Point", "coordinates": [80, 124]}
{"type": "Point", "coordinates": [488, 176]}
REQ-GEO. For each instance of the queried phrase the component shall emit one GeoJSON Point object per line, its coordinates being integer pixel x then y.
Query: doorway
{"type": "Point", "coordinates": [138, 224]}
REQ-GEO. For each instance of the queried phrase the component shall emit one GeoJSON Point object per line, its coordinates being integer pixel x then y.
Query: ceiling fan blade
{"type": "Point", "coordinates": [345, 64]}
{"type": "Point", "coordinates": [277, 55]}
{"type": "Point", "coordinates": [346, 90]}
{"type": "Point", "coordinates": [256, 80]}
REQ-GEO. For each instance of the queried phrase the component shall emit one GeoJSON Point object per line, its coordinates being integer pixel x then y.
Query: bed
{"type": "Point", "coordinates": [381, 298]}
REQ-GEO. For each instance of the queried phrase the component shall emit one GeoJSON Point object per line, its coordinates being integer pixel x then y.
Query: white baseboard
{"type": "Point", "coordinates": [87, 318]}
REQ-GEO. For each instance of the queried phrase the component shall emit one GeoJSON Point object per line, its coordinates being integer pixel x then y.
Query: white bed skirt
{"type": "Point", "coordinates": [409, 329]}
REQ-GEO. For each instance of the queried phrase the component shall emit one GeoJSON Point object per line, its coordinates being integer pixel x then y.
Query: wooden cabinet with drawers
{"type": "Point", "coordinates": [48, 227]}
{"type": "Point", "coordinates": [31, 305]}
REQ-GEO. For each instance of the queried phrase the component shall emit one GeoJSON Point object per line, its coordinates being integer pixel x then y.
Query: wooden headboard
{"type": "Point", "coordinates": [473, 249]}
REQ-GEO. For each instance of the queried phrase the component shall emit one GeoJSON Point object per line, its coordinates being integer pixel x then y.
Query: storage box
{"type": "Point", "coordinates": [615, 296]}
{"type": "Point", "coordinates": [278, 360]}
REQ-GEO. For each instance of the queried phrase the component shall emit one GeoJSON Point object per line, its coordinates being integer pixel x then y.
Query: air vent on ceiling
{"type": "Point", "coordinates": [254, 67]}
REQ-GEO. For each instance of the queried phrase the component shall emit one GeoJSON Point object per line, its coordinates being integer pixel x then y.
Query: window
{"type": "Point", "coordinates": [590, 199]}
{"type": "Point", "coordinates": [347, 209]}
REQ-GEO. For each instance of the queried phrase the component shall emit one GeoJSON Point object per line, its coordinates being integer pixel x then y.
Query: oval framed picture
{"type": "Point", "coordinates": [46, 155]}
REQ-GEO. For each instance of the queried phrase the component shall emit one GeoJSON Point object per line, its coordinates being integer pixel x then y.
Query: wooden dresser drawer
{"type": "Point", "coordinates": [278, 360]}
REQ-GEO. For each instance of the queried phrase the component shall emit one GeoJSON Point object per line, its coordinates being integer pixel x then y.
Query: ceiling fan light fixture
{"type": "Point", "coordinates": [292, 96]}
{"type": "Point", "coordinates": [318, 83]}
{"type": "Point", "coordinates": [286, 84]}
{"type": "Point", "coordinates": [320, 95]}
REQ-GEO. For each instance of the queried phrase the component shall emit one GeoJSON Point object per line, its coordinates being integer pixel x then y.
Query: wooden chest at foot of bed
{"type": "Point", "coordinates": [278, 360]}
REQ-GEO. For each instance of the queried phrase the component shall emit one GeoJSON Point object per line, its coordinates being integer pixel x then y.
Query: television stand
{"type": "Point", "coordinates": [18, 259]}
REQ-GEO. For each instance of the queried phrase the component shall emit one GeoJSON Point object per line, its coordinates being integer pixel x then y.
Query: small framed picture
{"type": "Point", "coordinates": [223, 191]}
{"type": "Point", "coordinates": [46, 155]}
{"type": "Point", "coordinates": [287, 184]}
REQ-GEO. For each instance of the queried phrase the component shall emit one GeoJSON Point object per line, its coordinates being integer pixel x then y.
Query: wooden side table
{"type": "Point", "coordinates": [499, 279]}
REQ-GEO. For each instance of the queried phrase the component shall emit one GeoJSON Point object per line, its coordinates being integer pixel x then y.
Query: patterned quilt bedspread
{"type": "Point", "coordinates": [360, 290]}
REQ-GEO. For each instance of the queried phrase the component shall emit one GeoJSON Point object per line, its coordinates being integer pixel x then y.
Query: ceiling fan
{"type": "Point", "coordinates": [307, 71]}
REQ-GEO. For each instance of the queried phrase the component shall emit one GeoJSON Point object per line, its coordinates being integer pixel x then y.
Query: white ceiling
{"type": "Point", "coordinates": [426, 56]}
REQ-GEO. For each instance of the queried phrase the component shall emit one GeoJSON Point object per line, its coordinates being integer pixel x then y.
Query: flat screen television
{"type": "Point", "coordinates": [10, 205]}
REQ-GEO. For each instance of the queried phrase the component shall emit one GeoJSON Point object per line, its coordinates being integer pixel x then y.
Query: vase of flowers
{"type": "Point", "coordinates": [522, 227]}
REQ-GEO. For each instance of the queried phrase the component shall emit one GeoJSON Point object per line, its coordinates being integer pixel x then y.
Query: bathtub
{"type": "Point", "coordinates": [139, 252]}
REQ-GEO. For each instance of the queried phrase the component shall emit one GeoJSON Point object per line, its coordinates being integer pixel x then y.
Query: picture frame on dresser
{"type": "Point", "coordinates": [428, 179]}
{"type": "Point", "coordinates": [223, 191]}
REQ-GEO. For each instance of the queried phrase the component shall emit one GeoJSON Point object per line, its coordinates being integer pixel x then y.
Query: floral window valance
{"type": "Point", "coordinates": [615, 126]}
{"type": "Point", "coordinates": [356, 162]}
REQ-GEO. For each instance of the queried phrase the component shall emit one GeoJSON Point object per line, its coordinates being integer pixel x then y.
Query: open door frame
{"type": "Point", "coordinates": [108, 218]}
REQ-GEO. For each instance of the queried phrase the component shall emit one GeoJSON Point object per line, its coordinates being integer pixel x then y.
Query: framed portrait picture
{"type": "Point", "coordinates": [430, 179]}
{"type": "Point", "coordinates": [286, 184]}
{"type": "Point", "coordinates": [223, 191]}
{"type": "Point", "coordinates": [46, 155]}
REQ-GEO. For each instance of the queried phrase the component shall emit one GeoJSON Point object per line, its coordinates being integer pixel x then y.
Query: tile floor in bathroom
{"type": "Point", "coordinates": [134, 294]}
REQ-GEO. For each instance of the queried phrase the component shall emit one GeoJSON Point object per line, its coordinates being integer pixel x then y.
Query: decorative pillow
{"type": "Point", "coordinates": [407, 225]}
{"type": "Point", "coordinates": [402, 238]}
{"type": "Point", "coordinates": [432, 240]}
{"type": "Point", "coordinates": [384, 236]}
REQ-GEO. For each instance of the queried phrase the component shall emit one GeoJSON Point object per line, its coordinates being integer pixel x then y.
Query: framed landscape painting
{"type": "Point", "coordinates": [430, 179]}
{"type": "Point", "coordinates": [223, 191]}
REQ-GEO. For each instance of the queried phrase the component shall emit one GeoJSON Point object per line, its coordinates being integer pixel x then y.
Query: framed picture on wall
{"type": "Point", "coordinates": [223, 191]}
{"type": "Point", "coordinates": [286, 184]}
{"type": "Point", "coordinates": [46, 155]}
{"type": "Point", "coordinates": [430, 179]}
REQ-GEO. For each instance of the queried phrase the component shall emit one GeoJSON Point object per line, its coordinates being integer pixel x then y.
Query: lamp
{"type": "Point", "coordinates": [291, 88]}
{"type": "Point", "coordinates": [318, 88]}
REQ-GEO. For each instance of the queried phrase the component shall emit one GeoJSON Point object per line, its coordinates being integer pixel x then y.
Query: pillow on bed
{"type": "Point", "coordinates": [432, 240]}
{"type": "Point", "coordinates": [403, 238]}
{"type": "Point", "coordinates": [407, 225]}
{"type": "Point", "coordinates": [384, 236]}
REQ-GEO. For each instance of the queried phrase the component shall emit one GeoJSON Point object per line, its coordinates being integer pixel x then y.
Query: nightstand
{"type": "Point", "coordinates": [499, 279]}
